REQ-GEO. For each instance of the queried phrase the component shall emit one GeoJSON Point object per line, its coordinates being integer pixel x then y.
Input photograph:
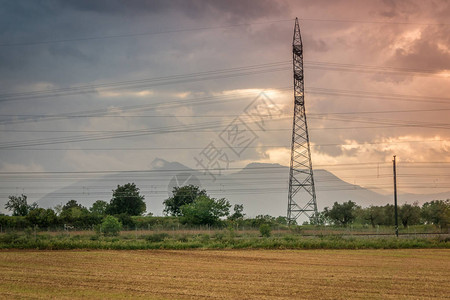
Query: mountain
{"type": "Point", "coordinates": [267, 193]}
{"type": "Point", "coordinates": [422, 198]}
{"type": "Point", "coordinates": [261, 187]}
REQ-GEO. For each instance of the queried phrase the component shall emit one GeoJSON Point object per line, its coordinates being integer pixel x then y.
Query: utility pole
{"type": "Point", "coordinates": [302, 193]}
{"type": "Point", "coordinates": [395, 197]}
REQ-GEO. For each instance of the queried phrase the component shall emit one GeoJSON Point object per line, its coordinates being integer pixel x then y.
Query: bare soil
{"type": "Point", "coordinates": [231, 274]}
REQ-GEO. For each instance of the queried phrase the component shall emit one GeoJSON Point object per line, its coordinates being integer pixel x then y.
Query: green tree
{"type": "Point", "coordinates": [72, 214]}
{"type": "Point", "coordinates": [342, 214]}
{"type": "Point", "coordinates": [71, 204]}
{"type": "Point", "coordinates": [205, 211]}
{"type": "Point", "coordinates": [262, 219]}
{"type": "Point", "coordinates": [99, 207]}
{"type": "Point", "coordinates": [319, 219]}
{"type": "Point", "coordinates": [58, 209]}
{"type": "Point", "coordinates": [437, 212]}
{"type": "Point", "coordinates": [75, 214]}
{"type": "Point", "coordinates": [238, 212]}
{"type": "Point", "coordinates": [42, 217]}
{"type": "Point", "coordinates": [126, 220]}
{"type": "Point", "coordinates": [265, 230]}
{"type": "Point", "coordinates": [110, 226]}
{"type": "Point", "coordinates": [374, 215]}
{"type": "Point", "coordinates": [18, 205]}
{"type": "Point", "coordinates": [281, 220]}
{"type": "Point", "coordinates": [126, 200]}
{"type": "Point", "coordinates": [389, 215]}
{"type": "Point", "coordinates": [409, 214]}
{"type": "Point", "coordinates": [182, 196]}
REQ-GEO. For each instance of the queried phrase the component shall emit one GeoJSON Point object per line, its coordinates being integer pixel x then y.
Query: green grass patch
{"type": "Point", "coordinates": [218, 240]}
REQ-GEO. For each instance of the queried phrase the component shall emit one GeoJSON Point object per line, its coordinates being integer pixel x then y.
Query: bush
{"type": "Point", "coordinates": [126, 220]}
{"type": "Point", "coordinates": [183, 238]}
{"type": "Point", "coordinates": [204, 211]}
{"type": "Point", "coordinates": [204, 238]}
{"type": "Point", "coordinates": [157, 237]}
{"type": "Point", "coordinates": [9, 238]}
{"type": "Point", "coordinates": [296, 229]}
{"type": "Point", "coordinates": [219, 236]}
{"type": "Point", "coordinates": [265, 230]}
{"type": "Point", "coordinates": [111, 226]}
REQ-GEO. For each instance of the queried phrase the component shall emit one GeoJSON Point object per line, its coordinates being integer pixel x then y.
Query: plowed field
{"type": "Point", "coordinates": [233, 274]}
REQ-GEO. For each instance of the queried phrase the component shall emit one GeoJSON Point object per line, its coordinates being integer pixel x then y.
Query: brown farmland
{"type": "Point", "coordinates": [232, 274]}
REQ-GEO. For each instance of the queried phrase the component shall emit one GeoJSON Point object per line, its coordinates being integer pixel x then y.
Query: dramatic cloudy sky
{"type": "Point", "coordinates": [113, 85]}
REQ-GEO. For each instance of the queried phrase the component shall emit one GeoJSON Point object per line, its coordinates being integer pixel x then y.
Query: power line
{"type": "Point", "coordinates": [153, 171]}
{"type": "Point", "coordinates": [255, 169]}
{"type": "Point", "coordinates": [145, 80]}
{"type": "Point", "coordinates": [209, 75]}
{"type": "Point", "coordinates": [179, 30]}
{"type": "Point", "coordinates": [149, 82]}
{"type": "Point", "coordinates": [373, 70]}
{"type": "Point", "coordinates": [373, 22]}
{"type": "Point", "coordinates": [219, 191]}
{"type": "Point", "coordinates": [377, 95]}
{"type": "Point", "coordinates": [219, 116]}
{"type": "Point", "coordinates": [140, 129]}
{"type": "Point", "coordinates": [140, 34]}
{"type": "Point", "coordinates": [417, 179]}
{"type": "Point", "coordinates": [193, 127]}
{"type": "Point", "coordinates": [205, 126]}
{"type": "Point", "coordinates": [402, 123]}
{"type": "Point", "coordinates": [370, 67]}
{"type": "Point", "coordinates": [378, 112]}
{"type": "Point", "coordinates": [207, 100]}
{"type": "Point", "coordinates": [216, 99]}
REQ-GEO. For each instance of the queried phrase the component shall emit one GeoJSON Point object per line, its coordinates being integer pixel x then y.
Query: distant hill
{"type": "Point", "coordinates": [262, 188]}
{"type": "Point", "coordinates": [272, 181]}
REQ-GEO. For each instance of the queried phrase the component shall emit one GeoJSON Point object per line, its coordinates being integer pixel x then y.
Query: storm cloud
{"type": "Point", "coordinates": [376, 78]}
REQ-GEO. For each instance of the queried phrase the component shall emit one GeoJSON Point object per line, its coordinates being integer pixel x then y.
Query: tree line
{"type": "Point", "coordinates": [192, 206]}
{"type": "Point", "coordinates": [435, 212]}
{"type": "Point", "coordinates": [189, 205]}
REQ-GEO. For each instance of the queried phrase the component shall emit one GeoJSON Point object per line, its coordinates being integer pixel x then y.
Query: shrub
{"type": "Point", "coordinates": [183, 238]}
{"type": "Point", "coordinates": [94, 237]}
{"type": "Point", "coordinates": [204, 211]}
{"type": "Point", "coordinates": [296, 229]}
{"type": "Point", "coordinates": [204, 238]}
{"type": "Point", "coordinates": [126, 220]}
{"type": "Point", "coordinates": [111, 226]}
{"type": "Point", "coordinates": [9, 238]}
{"type": "Point", "coordinates": [219, 236]}
{"type": "Point", "coordinates": [265, 230]}
{"type": "Point", "coordinates": [157, 237]}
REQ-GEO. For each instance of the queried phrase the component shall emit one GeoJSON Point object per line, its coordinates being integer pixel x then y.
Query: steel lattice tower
{"type": "Point", "coordinates": [302, 194]}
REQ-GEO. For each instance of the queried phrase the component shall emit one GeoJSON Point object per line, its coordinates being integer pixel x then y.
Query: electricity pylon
{"type": "Point", "coordinates": [302, 194]}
